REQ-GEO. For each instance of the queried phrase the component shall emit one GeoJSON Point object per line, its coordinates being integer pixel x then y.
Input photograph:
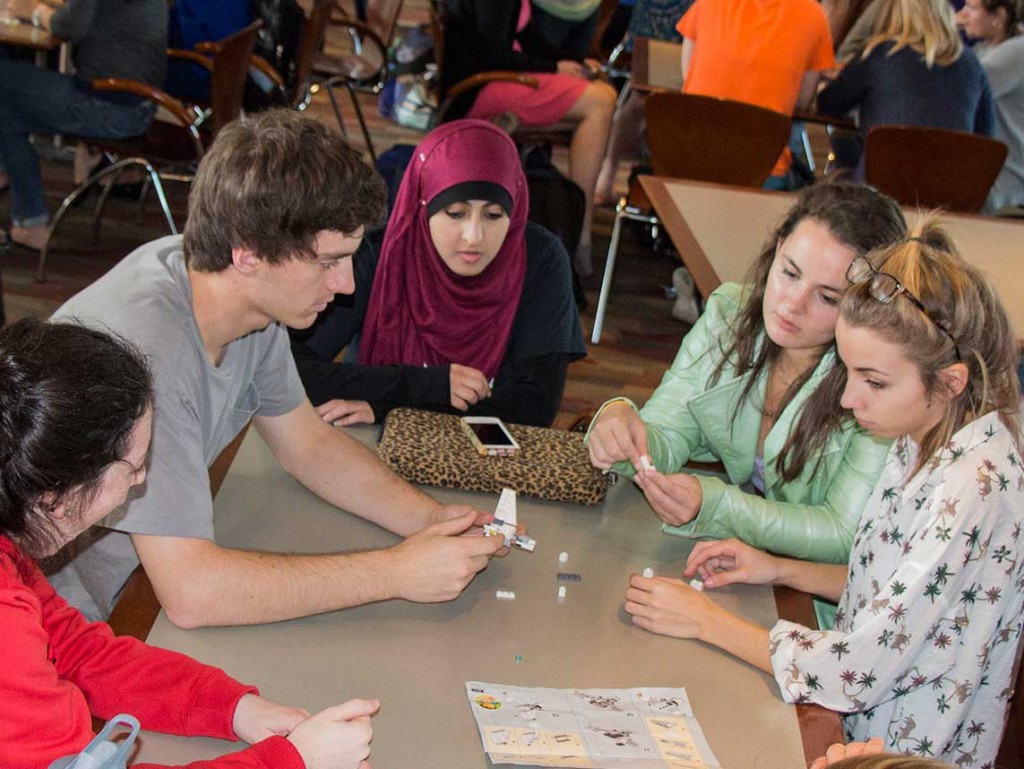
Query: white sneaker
{"type": "Point", "coordinates": [687, 306]}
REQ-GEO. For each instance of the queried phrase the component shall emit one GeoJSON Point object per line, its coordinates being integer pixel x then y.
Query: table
{"type": "Point", "coordinates": [718, 230]}
{"type": "Point", "coordinates": [416, 658]}
{"type": "Point", "coordinates": [14, 32]}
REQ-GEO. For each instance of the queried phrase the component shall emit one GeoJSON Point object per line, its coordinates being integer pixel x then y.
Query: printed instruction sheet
{"type": "Point", "coordinates": [645, 728]}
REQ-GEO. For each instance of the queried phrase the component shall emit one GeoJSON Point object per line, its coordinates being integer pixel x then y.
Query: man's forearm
{"type": "Point", "coordinates": [208, 585]}
{"type": "Point", "coordinates": [338, 469]}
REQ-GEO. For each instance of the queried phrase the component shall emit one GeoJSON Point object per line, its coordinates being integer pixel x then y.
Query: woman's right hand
{"type": "Point", "coordinates": [731, 561]}
{"type": "Point", "coordinates": [618, 435]}
{"type": "Point", "coordinates": [338, 737]}
{"type": "Point", "coordinates": [342, 413]}
{"type": "Point", "coordinates": [571, 68]}
{"type": "Point", "coordinates": [467, 386]}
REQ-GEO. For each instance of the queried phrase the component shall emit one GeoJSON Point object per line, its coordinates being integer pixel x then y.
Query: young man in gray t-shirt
{"type": "Point", "coordinates": [276, 211]}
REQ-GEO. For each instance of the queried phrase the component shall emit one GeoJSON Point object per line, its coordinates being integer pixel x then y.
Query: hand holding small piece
{"type": "Point", "coordinates": [338, 737]}
{"type": "Point", "coordinates": [618, 435]}
{"type": "Point", "coordinates": [257, 718]}
{"type": "Point", "coordinates": [667, 606]}
{"type": "Point", "coordinates": [731, 561]}
{"type": "Point", "coordinates": [675, 498]}
{"type": "Point", "coordinates": [467, 386]}
{"type": "Point", "coordinates": [342, 413]}
{"type": "Point", "coordinates": [436, 563]}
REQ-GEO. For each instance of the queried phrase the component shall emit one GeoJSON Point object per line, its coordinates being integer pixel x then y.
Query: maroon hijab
{"type": "Point", "coordinates": [420, 312]}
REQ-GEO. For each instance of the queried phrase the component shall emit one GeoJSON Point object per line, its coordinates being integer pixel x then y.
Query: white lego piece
{"type": "Point", "coordinates": [697, 584]}
{"type": "Point", "coordinates": [505, 595]}
{"type": "Point", "coordinates": [525, 543]}
{"type": "Point", "coordinates": [645, 462]}
{"type": "Point", "coordinates": [648, 572]}
{"type": "Point", "coordinates": [506, 509]}
{"type": "Point", "coordinates": [563, 557]}
{"type": "Point", "coordinates": [561, 591]}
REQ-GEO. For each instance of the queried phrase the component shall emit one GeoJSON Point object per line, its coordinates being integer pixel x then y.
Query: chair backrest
{"type": "Point", "coordinates": [310, 43]}
{"type": "Point", "coordinates": [230, 70]}
{"type": "Point", "coordinates": [382, 18]}
{"type": "Point", "coordinates": [932, 167]}
{"type": "Point", "coordinates": [714, 140]}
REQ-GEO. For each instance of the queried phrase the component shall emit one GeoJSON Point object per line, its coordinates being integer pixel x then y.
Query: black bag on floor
{"type": "Point", "coordinates": [556, 203]}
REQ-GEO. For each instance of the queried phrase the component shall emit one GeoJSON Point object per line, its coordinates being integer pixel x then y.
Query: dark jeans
{"type": "Point", "coordinates": [34, 100]}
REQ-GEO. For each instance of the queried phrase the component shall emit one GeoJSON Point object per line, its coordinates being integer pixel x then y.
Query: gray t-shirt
{"type": "Point", "coordinates": [199, 408]}
{"type": "Point", "coordinates": [1004, 65]}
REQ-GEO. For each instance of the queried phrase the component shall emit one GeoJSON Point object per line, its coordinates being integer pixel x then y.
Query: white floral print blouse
{"type": "Point", "coordinates": [923, 646]}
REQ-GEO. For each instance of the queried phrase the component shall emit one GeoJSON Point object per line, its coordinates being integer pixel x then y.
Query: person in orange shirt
{"type": "Point", "coordinates": [764, 52]}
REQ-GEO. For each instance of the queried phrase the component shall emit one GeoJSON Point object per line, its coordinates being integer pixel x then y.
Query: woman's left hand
{"type": "Point", "coordinates": [675, 498]}
{"type": "Point", "coordinates": [667, 606]}
{"type": "Point", "coordinates": [257, 718]}
{"type": "Point", "coordinates": [342, 413]}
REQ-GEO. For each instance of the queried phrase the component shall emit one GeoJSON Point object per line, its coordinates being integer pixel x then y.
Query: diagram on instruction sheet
{"type": "Point", "coordinates": [644, 728]}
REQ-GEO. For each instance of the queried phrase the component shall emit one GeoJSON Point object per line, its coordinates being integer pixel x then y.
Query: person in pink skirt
{"type": "Point", "coordinates": [482, 36]}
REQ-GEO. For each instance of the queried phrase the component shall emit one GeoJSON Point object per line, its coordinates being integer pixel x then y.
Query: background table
{"type": "Point", "coordinates": [718, 230]}
{"type": "Point", "coordinates": [416, 658]}
{"type": "Point", "coordinates": [18, 33]}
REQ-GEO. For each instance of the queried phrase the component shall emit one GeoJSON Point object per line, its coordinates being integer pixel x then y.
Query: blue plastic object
{"type": "Point", "coordinates": [102, 752]}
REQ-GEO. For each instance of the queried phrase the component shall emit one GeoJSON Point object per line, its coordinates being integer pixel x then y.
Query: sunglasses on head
{"type": "Point", "coordinates": [884, 287]}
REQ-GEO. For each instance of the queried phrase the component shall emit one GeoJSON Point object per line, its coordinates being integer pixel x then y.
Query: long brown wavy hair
{"type": "Point", "coordinates": [862, 219]}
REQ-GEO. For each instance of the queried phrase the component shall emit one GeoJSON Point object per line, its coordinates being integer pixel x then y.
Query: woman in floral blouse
{"type": "Point", "coordinates": [930, 604]}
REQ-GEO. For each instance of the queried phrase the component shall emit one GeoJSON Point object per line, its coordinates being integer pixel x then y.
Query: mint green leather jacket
{"type": "Point", "coordinates": [812, 517]}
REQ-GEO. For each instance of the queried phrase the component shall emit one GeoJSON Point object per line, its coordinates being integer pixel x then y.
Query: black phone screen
{"type": "Point", "coordinates": [490, 434]}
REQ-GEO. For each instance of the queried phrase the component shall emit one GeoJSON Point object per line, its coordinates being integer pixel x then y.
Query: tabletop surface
{"type": "Point", "coordinates": [14, 32]}
{"type": "Point", "coordinates": [416, 658]}
{"type": "Point", "coordinates": [721, 229]}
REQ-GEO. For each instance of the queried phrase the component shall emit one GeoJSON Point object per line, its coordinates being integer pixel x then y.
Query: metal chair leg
{"type": "Point", "coordinates": [337, 109]}
{"type": "Point", "coordinates": [362, 122]}
{"type": "Point", "coordinates": [115, 168]}
{"type": "Point", "coordinates": [609, 270]}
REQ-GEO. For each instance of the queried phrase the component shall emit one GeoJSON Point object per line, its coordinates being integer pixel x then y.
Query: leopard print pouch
{"type": "Point", "coordinates": [434, 450]}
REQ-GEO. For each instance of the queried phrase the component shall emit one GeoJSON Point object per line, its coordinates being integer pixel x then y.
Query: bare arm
{"type": "Point", "coordinates": [686, 56]}
{"type": "Point", "coordinates": [200, 583]}
{"type": "Point", "coordinates": [339, 470]}
{"type": "Point", "coordinates": [730, 561]}
{"type": "Point", "coordinates": [808, 90]}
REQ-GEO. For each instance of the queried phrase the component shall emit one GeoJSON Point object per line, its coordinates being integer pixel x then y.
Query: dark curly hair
{"type": "Point", "coordinates": [69, 399]}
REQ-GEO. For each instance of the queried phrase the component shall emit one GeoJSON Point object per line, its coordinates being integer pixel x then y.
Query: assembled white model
{"type": "Point", "coordinates": [505, 523]}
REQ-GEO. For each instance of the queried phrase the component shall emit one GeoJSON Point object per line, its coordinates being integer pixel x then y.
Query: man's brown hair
{"type": "Point", "coordinates": [270, 183]}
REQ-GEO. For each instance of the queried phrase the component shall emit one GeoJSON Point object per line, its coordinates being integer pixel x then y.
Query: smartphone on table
{"type": "Point", "coordinates": [490, 436]}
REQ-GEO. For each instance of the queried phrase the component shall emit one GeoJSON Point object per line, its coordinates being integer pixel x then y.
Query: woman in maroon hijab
{"type": "Point", "coordinates": [470, 308]}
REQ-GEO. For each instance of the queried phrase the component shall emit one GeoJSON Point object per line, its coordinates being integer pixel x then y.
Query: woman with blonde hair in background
{"type": "Point", "coordinates": [913, 70]}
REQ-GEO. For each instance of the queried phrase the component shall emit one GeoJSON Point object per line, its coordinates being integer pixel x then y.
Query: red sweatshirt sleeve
{"type": "Point", "coordinates": [60, 669]}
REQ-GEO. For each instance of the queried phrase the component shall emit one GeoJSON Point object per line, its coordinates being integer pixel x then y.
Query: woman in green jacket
{"type": "Point", "coordinates": [744, 391]}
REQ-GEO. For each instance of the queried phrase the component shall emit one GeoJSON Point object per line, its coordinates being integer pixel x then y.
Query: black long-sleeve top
{"type": "Point", "coordinates": [546, 337]}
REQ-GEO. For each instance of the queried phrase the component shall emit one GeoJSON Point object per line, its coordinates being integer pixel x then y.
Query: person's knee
{"type": "Point", "coordinates": [603, 98]}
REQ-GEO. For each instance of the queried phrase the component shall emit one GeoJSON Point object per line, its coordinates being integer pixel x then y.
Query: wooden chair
{"type": "Point", "coordinates": [932, 167]}
{"type": "Point", "coordinates": [699, 138]}
{"type": "Point", "coordinates": [365, 68]}
{"type": "Point", "coordinates": [169, 149]}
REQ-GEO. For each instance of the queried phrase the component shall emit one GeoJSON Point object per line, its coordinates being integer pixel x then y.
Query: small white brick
{"type": "Point", "coordinates": [697, 584]}
{"type": "Point", "coordinates": [563, 557]}
{"type": "Point", "coordinates": [648, 572]}
{"type": "Point", "coordinates": [561, 591]}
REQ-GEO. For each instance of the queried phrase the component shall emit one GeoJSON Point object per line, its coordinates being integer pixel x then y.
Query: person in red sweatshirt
{"type": "Point", "coordinates": [75, 424]}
